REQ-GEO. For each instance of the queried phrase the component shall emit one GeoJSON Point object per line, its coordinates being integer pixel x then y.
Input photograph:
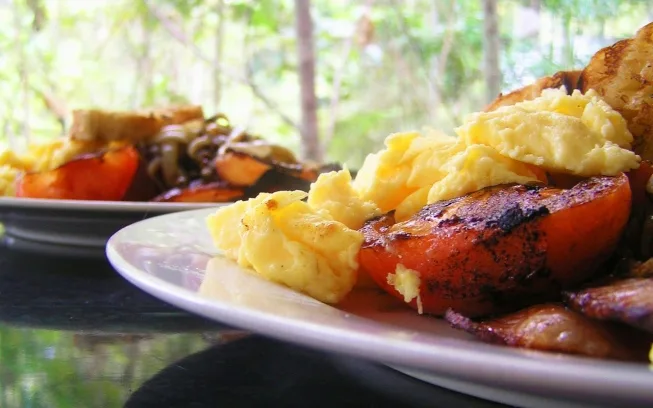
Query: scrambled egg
{"type": "Point", "coordinates": [332, 192]}
{"type": "Point", "coordinates": [306, 246]}
{"type": "Point", "coordinates": [406, 282]}
{"type": "Point", "coordinates": [576, 134]}
{"type": "Point", "coordinates": [40, 157]}
{"type": "Point", "coordinates": [415, 170]}
{"type": "Point", "coordinates": [311, 246]}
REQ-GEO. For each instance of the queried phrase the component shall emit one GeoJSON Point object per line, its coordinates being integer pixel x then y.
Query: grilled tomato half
{"type": "Point", "coordinates": [499, 248]}
{"type": "Point", "coordinates": [104, 176]}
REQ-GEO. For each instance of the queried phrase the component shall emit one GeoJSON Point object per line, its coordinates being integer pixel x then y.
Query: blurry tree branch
{"type": "Point", "coordinates": [440, 64]}
{"type": "Point", "coordinates": [339, 74]}
{"type": "Point", "coordinates": [415, 46]}
{"type": "Point", "coordinates": [178, 34]}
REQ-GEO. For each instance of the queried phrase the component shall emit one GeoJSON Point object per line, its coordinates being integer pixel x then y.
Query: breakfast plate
{"type": "Point", "coordinates": [172, 257]}
{"type": "Point", "coordinates": [75, 228]}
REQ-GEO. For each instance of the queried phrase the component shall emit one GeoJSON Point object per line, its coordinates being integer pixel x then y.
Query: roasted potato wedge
{"type": "Point", "coordinates": [240, 169]}
{"type": "Point", "coordinates": [628, 301]}
{"type": "Point", "coordinates": [502, 247]}
{"type": "Point", "coordinates": [623, 75]}
{"type": "Point", "coordinates": [567, 78]}
{"type": "Point", "coordinates": [103, 176]}
{"type": "Point", "coordinates": [552, 327]}
{"type": "Point", "coordinates": [218, 192]}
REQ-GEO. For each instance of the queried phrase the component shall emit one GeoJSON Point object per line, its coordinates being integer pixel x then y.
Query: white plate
{"type": "Point", "coordinates": [75, 228]}
{"type": "Point", "coordinates": [172, 258]}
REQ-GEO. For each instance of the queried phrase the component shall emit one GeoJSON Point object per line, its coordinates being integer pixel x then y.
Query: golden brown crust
{"type": "Point", "coordinates": [103, 125]}
{"type": "Point", "coordinates": [628, 301]}
{"type": "Point", "coordinates": [567, 78]}
{"type": "Point", "coordinates": [552, 327]}
{"type": "Point", "coordinates": [623, 75]}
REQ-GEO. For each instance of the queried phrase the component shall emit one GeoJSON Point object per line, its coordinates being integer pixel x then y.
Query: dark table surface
{"type": "Point", "coordinates": [75, 334]}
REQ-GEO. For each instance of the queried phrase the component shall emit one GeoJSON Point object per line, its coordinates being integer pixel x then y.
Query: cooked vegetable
{"type": "Point", "coordinates": [623, 75]}
{"type": "Point", "coordinates": [104, 176]}
{"type": "Point", "coordinates": [202, 193]}
{"type": "Point", "coordinates": [568, 79]}
{"type": "Point", "coordinates": [134, 126]}
{"type": "Point", "coordinates": [240, 169]}
{"type": "Point", "coordinates": [552, 327]}
{"type": "Point", "coordinates": [629, 301]}
{"type": "Point", "coordinates": [501, 247]}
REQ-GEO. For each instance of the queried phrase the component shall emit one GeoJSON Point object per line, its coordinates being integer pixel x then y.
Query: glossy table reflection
{"type": "Point", "coordinates": [75, 334]}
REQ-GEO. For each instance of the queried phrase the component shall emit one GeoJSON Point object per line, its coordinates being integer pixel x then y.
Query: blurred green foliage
{"type": "Point", "coordinates": [61, 369]}
{"type": "Point", "coordinates": [382, 66]}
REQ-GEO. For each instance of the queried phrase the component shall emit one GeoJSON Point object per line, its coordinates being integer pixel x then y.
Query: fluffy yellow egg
{"type": "Point", "coordinates": [287, 241]}
{"type": "Point", "coordinates": [577, 134]}
{"type": "Point", "coordinates": [418, 169]}
{"type": "Point", "coordinates": [333, 192]}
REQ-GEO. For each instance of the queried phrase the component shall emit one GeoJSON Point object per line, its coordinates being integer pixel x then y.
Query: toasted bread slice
{"type": "Point", "coordinates": [623, 75]}
{"type": "Point", "coordinates": [133, 126]}
{"type": "Point", "coordinates": [567, 78]}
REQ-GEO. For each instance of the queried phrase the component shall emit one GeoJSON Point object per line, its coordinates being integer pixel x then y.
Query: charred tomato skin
{"type": "Point", "coordinates": [105, 176]}
{"type": "Point", "coordinates": [500, 248]}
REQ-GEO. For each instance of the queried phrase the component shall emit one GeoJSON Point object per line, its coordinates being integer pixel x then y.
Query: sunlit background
{"type": "Point", "coordinates": [381, 66]}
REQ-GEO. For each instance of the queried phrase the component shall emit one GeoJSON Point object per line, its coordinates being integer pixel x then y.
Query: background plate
{"type": "Point", "coordinates": [74, 228]}
{"type": "Point", "coordinates": [172, 258]}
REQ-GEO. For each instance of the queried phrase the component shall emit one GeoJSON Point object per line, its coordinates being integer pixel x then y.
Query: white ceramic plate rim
{"type": "Point", "coordinates": [470, 361]}
{"type": "Point", "coordinates": [89, 205]}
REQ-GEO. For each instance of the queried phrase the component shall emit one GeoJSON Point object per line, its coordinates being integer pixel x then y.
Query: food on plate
{"type": "Point", "coordinates": [179, 155]}
{"type": "Point", "coordinates": [629, 301]}
{"type": "Point", "coordinates": [623, 75]}
{"type": "Point", "coordinates": [577, 134]}
{"type": "Point", "coordinates": [566, 79]}
{"type": "Point", "coordinates": [312, 252]}
{"type": "Point", "coordinates": [500, 247]}
{"type": "Point", "coordinates": [553, 327]}
{"type": "Point", "coordinates": [103, 176]}
{"type": "Point", "coordinates": [415, 170]}
{"type": "Point", "coordinates": [540, 199]}
{"type": "Point", "coordinates": [214, 192]}
{"type": "Point", "coordinates": [104, 126]}
{"type": "Point", "coordinates": [557, 133]}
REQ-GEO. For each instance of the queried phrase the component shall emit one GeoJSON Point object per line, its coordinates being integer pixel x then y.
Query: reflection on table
{"type": "Point", "coordinates": [75, 334]}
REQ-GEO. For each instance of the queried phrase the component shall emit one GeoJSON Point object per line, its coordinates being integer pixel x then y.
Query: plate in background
{"type": "Point", "coordinates": [74, 228]}
{"type": "Point", "coordinates": [172, 258]}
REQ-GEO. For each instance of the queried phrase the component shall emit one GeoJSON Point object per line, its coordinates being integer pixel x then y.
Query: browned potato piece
{"type": "Point", "coordinates": [240, 169]}
{"type": "Point", "coordinates": [218, 192]}
{"type": "Point", "coordinates": [628, 301]}
{"type": "Point", "coordinates": [623, 75]}
{"type": "Point", "coordinates": [567, 78]}
{"type": "Point", "coordinates": [553, 327]}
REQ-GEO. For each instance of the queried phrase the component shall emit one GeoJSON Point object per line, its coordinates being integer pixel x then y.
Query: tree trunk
{"type": "Point", "coordinates": [491, 49]}
{"type": "Point", "coordinates": [311, 148]}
